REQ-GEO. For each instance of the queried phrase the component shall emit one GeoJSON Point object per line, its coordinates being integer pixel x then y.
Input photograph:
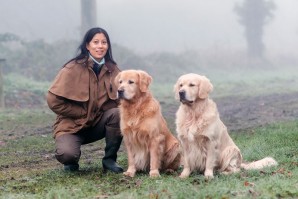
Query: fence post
{"type": "Point", "coordinates": [2, 103]}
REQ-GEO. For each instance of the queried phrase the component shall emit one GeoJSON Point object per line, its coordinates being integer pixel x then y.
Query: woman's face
{"type": "Point", "coordinates": [98, 46]}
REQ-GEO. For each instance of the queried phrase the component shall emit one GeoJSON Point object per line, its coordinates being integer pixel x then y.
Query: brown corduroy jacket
{"type": "Point", "coordinates": [79, 98]}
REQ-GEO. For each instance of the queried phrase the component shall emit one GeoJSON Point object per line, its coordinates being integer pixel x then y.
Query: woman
{"type": "Point", "coordinates": [84, 98]}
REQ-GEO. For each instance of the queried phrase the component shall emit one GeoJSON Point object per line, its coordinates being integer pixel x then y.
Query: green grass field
{"type": "Point", "coordinates": [28, 168]}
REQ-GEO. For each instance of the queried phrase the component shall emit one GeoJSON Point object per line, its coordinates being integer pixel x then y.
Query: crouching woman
{"type": "Point", "coordinates": [84, 98]}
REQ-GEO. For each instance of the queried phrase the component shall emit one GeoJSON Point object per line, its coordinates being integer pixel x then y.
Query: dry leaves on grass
{"type": "Point", "coordinates": [283, 171]}
{"type": "Point", "coordinates": [249, 184]}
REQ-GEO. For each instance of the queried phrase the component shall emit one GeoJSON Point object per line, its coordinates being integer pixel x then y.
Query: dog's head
{"type": "Point", "coordinates": [192, 87]}
{"type": "Point", "coordinates": [132, 83]}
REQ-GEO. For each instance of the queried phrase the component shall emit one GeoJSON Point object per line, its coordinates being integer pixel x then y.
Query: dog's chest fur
{"type": "Point", "coordinates": [192, 121]}
{"type": "Point", "coordinates": [133, 115]}
{"type": "Point", "coordinates": [135, 118]}
{"type": "Point", "coordinates": [194, 129]}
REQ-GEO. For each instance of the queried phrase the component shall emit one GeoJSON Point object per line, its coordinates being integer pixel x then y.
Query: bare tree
{"type": "Point", "coordinates": [88, 15]}
{"type": "Point", "coordinates": [254, 14]}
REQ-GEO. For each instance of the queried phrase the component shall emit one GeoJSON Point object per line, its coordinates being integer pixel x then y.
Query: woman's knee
{"type": "Point", "coordinates": [67, 149]}
{"type": "Point", "coordinates": [67, 156]}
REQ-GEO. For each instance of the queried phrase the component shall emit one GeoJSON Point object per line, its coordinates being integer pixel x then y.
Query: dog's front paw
{"type": "Point", "coordinates": [208, 174]}
{"type": "Point", "coordinates": [185, 173]}
{"type": "Point", "coordinates": [154, 174]}
{"type": "Point", "coordinates": [129, 173]}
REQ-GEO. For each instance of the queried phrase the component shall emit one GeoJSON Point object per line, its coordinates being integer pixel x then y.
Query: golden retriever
{"type": "Point", "coordinates": [149, 143]}
{"type": "Point", "coordinates": [205, 141]}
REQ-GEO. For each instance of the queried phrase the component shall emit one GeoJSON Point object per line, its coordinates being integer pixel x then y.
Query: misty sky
{"type": "Point", "coordinates": [148, 26]}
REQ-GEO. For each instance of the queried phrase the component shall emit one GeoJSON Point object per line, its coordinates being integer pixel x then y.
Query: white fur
{"type": "Point", "coordinates": [205, 140]}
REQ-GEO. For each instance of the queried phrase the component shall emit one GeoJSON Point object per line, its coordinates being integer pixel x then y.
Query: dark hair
{"type": "Point", "coordinates": [83, 51]}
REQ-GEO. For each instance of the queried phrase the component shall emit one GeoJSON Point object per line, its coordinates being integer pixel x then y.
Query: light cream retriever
{"type": "Point", "coordinates": [149, 143]}
{"type": "Point", "coordinates": [206, 143]}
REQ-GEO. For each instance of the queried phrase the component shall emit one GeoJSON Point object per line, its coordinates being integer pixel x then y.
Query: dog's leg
{"type": "Point", "coordinates": [230, 160]}
{"type": "Point", "coordinates": [186, 168]}
{"type": "Point", "coordinates": [209, 148]}
{"type": "Point", "coordinates": [156, 149]}
{"type": "Point", "coordinates": [210, 163]}
{"type": "Point", "coordinates": [209, 166]}
{"type": "Point", "coordinates": [131, 161]}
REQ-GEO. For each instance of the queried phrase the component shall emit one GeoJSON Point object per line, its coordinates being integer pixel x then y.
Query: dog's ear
{"type": "Point", "coordinates": [145, 80]}
{"type": "Point", "coordinates": [116, 80]}
{"type": "Point", "coordinates": [205, 87]}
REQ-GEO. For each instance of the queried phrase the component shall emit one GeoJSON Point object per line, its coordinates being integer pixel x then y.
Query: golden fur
{"type": "Point", "coordinates": [205, 141]}
{"type": "Point", "coordinates": [149, 143]}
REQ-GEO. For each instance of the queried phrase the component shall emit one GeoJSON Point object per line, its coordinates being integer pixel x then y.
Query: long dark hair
{"type": "Point", "coordinates": [83, 53]}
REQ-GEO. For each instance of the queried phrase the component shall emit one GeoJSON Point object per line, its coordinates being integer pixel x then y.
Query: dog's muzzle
{"type": "Point", "coordinates": [121, 94]}
{"type": "Point", "coordinates": [182, 97]}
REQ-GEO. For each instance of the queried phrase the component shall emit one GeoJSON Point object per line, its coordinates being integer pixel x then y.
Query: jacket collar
{"type": "Point", "coordinates": [108, 65]}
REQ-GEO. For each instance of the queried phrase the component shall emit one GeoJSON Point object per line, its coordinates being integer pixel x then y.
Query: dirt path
{"type": "Point", "coordinates": [236, 112]}
{"type": "Point", "coordinates": [246, 112]}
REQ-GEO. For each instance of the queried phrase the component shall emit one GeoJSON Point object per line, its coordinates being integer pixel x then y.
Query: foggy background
{"type": "Point", "coordinates": [168, 37]}
{"type": "Point", "coordinates": [148, 26]}
{"type": "Point", "coordinates": [245, 47]}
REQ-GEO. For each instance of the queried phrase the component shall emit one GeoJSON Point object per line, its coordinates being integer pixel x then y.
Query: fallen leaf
{"type": "Point", "coordinates": [281, 170]}
{"type": "Point", "coordinates": [249, 184]}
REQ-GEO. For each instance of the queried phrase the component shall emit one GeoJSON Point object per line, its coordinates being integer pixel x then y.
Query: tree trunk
{"type": "Point", "coordinates": [88, 15]}
{"type": "Point", "coordinates": [254, 15]}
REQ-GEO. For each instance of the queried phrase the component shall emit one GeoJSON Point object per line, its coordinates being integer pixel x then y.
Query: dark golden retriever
{"type": "Point", "coordinates": [149, 143]}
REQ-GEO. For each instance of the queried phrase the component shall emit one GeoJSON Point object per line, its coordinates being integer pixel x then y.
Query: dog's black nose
{"type": "Point", "coordinates": [182, 95]}
{"type": "Point", "coordinates": [120, 93]}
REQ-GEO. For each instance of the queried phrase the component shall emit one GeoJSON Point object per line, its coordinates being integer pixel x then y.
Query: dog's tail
{"type": "Point", "coordinates": [259, 164]}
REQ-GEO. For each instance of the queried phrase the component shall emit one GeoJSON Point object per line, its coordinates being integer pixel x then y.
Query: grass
{"type": "Point", "coordinates": [28, 168]}
{"type": "Point", "coordinates": [241, 82]}
{"type": "Point", "coordinates": [14, 82]}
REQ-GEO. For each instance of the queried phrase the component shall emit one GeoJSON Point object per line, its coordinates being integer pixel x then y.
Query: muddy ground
{"type": "Point", "coordinates": [239, 113]}
{"type": "Point", "coordinates": [236, 112]}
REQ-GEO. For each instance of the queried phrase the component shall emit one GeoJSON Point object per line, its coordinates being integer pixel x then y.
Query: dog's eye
{"type": "Point", "coordinates": [180, 85]}
{"type": "Point", "coordinates": [131, 82]}
{"type": "Point", "coordinates": [120, 82]}
{"type": "Point", "coordinates": [191, 85]}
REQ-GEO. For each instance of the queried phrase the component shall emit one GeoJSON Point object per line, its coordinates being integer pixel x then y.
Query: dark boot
{"type": "Point", "coordinates": [71, 167]}
{"type": "Point", "coordinates": [113, 142]}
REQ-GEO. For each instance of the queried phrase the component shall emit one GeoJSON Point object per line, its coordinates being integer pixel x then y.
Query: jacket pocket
{"type": "Point", "coordinates": [80, 122]}
{"type": "Point", "coordinates": [111, 90]}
